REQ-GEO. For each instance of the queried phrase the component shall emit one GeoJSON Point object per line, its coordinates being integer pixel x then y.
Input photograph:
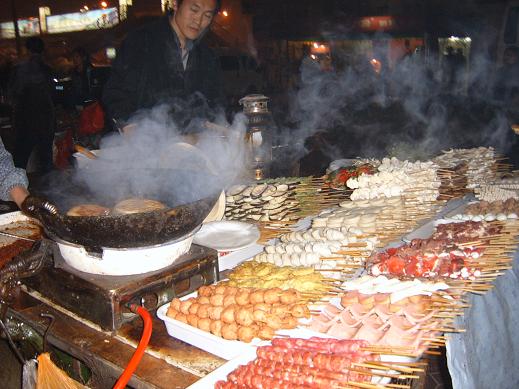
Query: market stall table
{"type": "Point", "coordinates": [167, 363]}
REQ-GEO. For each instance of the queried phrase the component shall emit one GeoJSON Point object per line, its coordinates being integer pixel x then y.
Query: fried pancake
{"type": "Point", "coordinates": [131, 206]}
{"type": "Point", "coordinates": [88, 210]}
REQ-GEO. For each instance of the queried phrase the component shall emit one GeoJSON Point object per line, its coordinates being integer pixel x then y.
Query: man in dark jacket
{"type": "Point", "coordinates": [165, 62]}
{"type": "Point", "coordinates": [34, 116]}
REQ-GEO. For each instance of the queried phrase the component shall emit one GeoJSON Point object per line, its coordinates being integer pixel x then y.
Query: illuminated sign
{"type": "Point", "coordinates": [79, 21]}
{"type": "Point", "coordinates": [44, 12]}
{"type": "Point", "coordinates": [377, 23]}
{"type": "Point", "coordinates": [27, 27]}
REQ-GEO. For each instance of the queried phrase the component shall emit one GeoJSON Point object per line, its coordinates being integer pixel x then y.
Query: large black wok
{"type": "Point", "coordinates": [188, 196]}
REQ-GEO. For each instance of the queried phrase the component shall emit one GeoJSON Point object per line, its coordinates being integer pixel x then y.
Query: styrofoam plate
{"type": "Point", "coordinates": [227, 235]}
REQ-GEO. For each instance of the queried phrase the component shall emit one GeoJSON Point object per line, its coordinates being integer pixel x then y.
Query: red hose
{"type": "Point", "coordinates": [139, 352]}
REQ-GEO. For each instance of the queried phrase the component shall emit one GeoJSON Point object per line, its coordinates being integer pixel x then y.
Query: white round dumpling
{"type": "Point", "coordinates": [490, 217]}
{"type": "Point", "coordinates": [501, 217]}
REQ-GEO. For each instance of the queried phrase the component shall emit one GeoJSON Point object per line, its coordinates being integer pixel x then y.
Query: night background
{"type": "Point", "coordinates": [404, 78]}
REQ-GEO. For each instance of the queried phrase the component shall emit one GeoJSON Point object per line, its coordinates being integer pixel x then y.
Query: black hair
{"type": "Point", "coordinates": [35, 45]}
{"type": "Point", "coordinates": [216, 10]}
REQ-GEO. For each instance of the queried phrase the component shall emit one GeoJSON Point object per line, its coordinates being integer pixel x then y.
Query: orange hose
{"type": "Point", "coordinates": [139, 352]}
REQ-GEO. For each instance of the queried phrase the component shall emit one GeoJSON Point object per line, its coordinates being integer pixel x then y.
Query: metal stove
{"type": "Point", "coordinates": [102, 299]}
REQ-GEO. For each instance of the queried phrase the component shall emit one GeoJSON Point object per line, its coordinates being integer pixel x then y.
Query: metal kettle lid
{"type": "Point", "coordinates": [256, 98]}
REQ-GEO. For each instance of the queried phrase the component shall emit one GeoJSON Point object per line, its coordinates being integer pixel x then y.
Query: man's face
{"type": "Point", "coordinates": [193, 17]}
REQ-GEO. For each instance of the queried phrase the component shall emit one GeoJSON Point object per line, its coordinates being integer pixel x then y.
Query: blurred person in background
{"type": "Point", "coordinates": [81, 76]}
{"type": "Point", "coordinates": [166, 62]}
{"type": "Point", "coordinates": [34, 117]}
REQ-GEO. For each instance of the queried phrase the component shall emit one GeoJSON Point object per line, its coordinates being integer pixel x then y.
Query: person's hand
{"type": "Point", "coordinates": [19, 194]}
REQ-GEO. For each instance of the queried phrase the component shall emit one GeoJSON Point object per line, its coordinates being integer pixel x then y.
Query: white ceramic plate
{"type": "Point", "coordinates": [227, 235]}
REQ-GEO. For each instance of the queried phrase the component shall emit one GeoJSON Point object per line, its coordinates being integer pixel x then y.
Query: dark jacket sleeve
{"type": "Point", "coordinates": [216, 94]}
{"type": "Point", "coordinates": [121, 92]}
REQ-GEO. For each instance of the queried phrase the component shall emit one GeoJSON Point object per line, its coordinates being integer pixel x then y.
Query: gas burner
{"type": "Point", "coordinates": [125, 261]}
{"type": "Point", "coordinates": [102, 299]}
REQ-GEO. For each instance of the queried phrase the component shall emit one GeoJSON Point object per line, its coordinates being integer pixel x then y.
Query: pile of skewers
{"type": "Point", "coordinates": [252, 274]}
{"type": "Point", "coordinates": [316, 363]}
{"type": "Point", "coordinates": [240, 313]}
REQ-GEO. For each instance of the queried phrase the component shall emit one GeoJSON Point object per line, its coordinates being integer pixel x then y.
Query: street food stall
{"type": "Point", "coordinates": [346, 280]}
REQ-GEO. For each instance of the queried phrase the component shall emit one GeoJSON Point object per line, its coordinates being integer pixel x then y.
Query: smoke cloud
{"type": "Point", "coordinates": [412, 110]}
{"type": "Point", "coordinates": [153, 161]}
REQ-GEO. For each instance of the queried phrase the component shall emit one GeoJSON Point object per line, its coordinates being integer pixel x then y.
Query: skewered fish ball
{"type": "Point", "coordinates": [246, 334]}
{"type": "Point", "coordinates": [172, 313]}
{"type": "Point", "coordinates": [242, 298]}
{"type": "Point", "coordinates": [289, 297]}
{"type": "Point", "coordinates": [203, 311]}
{"type": "Point", "coordinates": [184, 306]}
{"type": "Point", "coordinates": [262, 307]}
{"type": "Point", "coordinates": [228, 314]}
{"type": "Point", "coordinates": [175, 304]}
{"type": "Point", "coordinates": [257, 297]}
{"type": "Point", "coordinates": [216, 327]}
{"type": "Point", "coordinates": [204, 324]}
{"type": "Point", "coordinates": [244, 316]}
{"type": "Point", "coordinates": [192, 320]}
{"type": "Point", "coordinates": [181, 317]}
{"type": "Point", "coordinates": [220, 289]}
{"type": "Point", "coordinates": [229, 300]}
{"type": "Point", "coordinates": [193, 309]}
{"type": "Point", "coordinates": [216, 299]}
{"type": "Point", "coordinates": [266, 333]}
{"type": "Point", "coordinates": [260, 316]}
{"type": "Point", "coordinates": [205, 291]}
{"type": "Point", "coordinates": [215, 312]}
{"type": "Point", "coordinates": [289, 322]}
{"type": "Point", "coordinates": [230, 331]}
{"type": "Point", "coordinates": [272, 296]}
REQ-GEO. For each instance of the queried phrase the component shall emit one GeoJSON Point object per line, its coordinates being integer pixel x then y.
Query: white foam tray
{"type": "Point", "coordinates": [223, 348]}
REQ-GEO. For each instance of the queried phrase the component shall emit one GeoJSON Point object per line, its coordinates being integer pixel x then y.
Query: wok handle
{"type": "Point", "coordinates": [36, 206]}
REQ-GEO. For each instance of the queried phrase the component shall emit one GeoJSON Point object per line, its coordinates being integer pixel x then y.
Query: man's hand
{"type": "Point", "coordinates": [19, 194]}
